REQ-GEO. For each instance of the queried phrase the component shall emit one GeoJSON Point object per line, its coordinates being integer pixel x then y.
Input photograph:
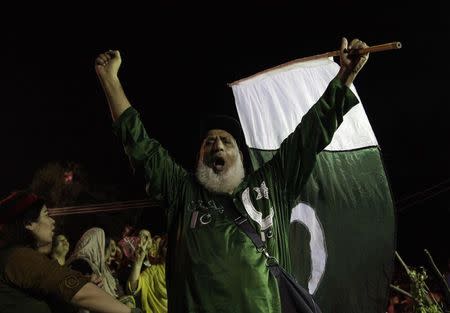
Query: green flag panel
{"type": "Point", "coordinates": [342, 232]}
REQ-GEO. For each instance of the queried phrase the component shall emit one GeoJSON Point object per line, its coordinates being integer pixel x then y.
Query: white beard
{"type": "Point", "coordinates": [221, 183]}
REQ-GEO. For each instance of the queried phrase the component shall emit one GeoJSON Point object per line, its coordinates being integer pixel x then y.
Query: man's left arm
{"type": "Point", "coordinates": [297, 154]}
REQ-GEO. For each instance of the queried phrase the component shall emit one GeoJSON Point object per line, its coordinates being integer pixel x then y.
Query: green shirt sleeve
{"type": "Point", "coordinates": [163, 175]}
{"type": "Point", "coordinates": [296, 156]}
{"type": "Point", "coordinates": [30, 270]}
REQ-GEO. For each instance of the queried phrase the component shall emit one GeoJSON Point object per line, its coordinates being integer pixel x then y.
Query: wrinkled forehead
{"type": "Point", "coordinates": [212, 133]}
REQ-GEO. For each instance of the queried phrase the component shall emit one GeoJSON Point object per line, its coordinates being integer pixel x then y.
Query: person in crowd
{"type": "Point", "coordinates": [60, 248]}
{"type": "Point", "coordinates": [145, 238]}
{"type": "Point", "coordinates": [89, 257]}
{"type": "Point", "coordinates": [150, 284]}
{"type": "Point", "coordinates": [111, 249]}
{"type": "Point", "coordinates": [128, 243]}
{"type": "Point", "coordinates": [213, 266]}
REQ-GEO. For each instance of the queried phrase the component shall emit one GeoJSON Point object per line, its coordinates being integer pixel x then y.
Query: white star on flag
{"type": "Point", "coordinates": [262, 191]}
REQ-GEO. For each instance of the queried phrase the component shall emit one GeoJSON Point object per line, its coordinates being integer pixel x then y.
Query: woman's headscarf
{"type": "Point", "coordinates": [91, 248]}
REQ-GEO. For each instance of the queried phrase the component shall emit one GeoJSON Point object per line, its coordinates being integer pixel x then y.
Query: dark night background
{"type": "Point", "coordinates": [176, 64]}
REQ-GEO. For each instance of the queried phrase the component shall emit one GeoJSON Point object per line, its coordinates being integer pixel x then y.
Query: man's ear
{"type": "Point", "coordinates": [199, 155]}
{"type": "Point", "coordinates": [197, 158]}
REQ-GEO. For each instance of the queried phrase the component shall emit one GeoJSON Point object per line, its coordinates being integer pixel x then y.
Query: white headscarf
{"type": "Point", "coordinates": [91, 248]}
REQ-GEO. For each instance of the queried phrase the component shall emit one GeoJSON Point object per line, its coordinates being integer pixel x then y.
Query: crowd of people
{"type": "Point", "coordinates": [132, 268]}
{"type": "Point", "coordinates": [100, 273]}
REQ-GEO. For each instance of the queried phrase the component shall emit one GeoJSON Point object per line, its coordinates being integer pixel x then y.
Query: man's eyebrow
{"type": "Point", "coordinates": [222, 137]}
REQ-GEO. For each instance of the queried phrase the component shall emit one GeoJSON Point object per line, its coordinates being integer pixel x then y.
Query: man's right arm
{"type": "Point", "coordinates": [163, 174]}
{"type": "Point", "coordinates": [107, 66]}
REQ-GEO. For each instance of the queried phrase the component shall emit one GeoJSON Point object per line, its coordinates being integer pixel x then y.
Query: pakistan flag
{"type": "Point", "coordinates": [342, 231]}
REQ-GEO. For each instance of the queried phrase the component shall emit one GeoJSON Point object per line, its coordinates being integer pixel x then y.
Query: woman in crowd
{"type": "Point", "coordinates": [149, 285]}
{"type": "Point", "coordinates": [90, 256]}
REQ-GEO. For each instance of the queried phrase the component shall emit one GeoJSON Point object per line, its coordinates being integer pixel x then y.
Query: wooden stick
{"type": "Point", "coordinates": [383, 47]}
{"type": "Point", "coordinates": [378, 48]}
{"type": "Point", "coordinates": [400, 290]}
{"type": "Point", "coordinates": [441, 278]}
{"type": "Point", "coordinates": [402, 263]}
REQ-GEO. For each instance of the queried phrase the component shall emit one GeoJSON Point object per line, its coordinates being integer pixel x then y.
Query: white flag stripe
{"type": "Point", "coordinates": [271, 105]}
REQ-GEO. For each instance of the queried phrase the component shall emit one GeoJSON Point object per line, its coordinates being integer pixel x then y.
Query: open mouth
{"type": "Point", "coordinates": [218, 163]}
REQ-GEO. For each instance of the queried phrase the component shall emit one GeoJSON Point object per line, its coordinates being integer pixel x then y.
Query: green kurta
{"type": "Point", "coordinates": [212, 265]}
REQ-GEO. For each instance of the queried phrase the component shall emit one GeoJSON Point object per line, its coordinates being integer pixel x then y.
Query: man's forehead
{"type": "Point", "coordinates": [218, 132]}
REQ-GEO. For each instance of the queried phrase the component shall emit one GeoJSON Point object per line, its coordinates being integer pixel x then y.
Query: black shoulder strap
{"type": "Point", "coordinates": [243, 223]}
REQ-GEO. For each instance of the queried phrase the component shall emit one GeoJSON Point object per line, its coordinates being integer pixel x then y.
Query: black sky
{"type": "Point", "coordinates": [176, 63]}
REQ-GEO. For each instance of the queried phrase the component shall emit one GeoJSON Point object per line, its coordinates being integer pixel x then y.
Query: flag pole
{"type": "Point", "coordinates": [378, 48]}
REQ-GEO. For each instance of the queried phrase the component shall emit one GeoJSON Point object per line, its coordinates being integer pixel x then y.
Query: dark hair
{"type": "Point", "coordinates": [224, 122]}
{"type": "Point", "coordinates": [13, 232]}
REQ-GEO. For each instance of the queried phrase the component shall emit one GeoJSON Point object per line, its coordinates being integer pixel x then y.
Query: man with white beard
{"type": "Point", "coordinates": [212, 265]}
{"type": "Point", "coordinates": [220, 166]}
